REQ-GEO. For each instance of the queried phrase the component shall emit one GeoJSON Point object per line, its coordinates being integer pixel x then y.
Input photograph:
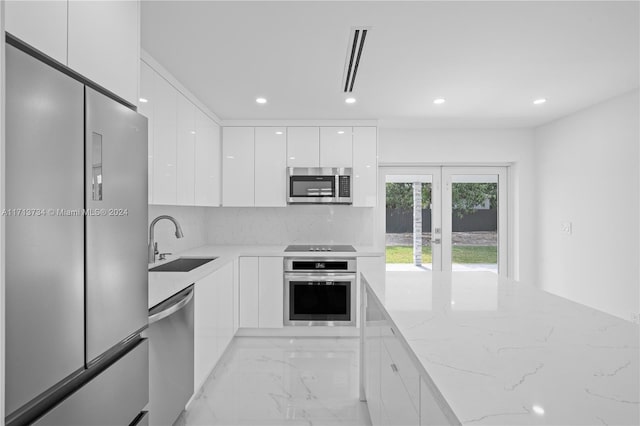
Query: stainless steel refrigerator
{"type": "Point", "coordinates": [76, 268]}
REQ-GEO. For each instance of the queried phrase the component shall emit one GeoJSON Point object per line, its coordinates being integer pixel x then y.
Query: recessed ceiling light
{"type": "Point", "coordinates": [143, 100]}
{"type": "Point", "coordinates": [439, 101]}
{"type": "Point", "coordinates": [539, 101]}
{"type": "Point", "coordinates": [538, 410]}
{"type": "Point", "coordinates": [350, 100]}
{"type": "Point", "coordinates": [261, 100]}
{"type": "Point", "coordinates": [278, 133]}
{"type": "Point", "coordinates": [193, 132]}
{"type": "Point", "coordinates": [341, 132]}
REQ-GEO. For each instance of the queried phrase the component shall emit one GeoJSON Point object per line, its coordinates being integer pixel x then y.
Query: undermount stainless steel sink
{"type": "Point", "coordinates": [182, 264]}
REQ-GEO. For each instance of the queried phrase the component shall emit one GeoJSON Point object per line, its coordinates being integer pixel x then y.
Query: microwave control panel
{"type": "Point", "coordinates": [344, 186]}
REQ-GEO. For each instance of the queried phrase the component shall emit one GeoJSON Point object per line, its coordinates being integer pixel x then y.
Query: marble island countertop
{"type": "Point", "coordinates": [506, 353]}
{"type": "Point", "coordinates": [165, 284]}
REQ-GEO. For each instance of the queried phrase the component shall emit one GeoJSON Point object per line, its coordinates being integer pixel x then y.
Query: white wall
{"type": "Point", "coordinates": [192, 220]}
{"type": "Point", "coordinates": [291, 225]}
{"type": "Point", "coordinates": [512, 147]}
{"type": "Point", "coordinates": [587, 174]}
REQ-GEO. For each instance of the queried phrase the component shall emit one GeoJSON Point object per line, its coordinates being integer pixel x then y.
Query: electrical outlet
{"type": "Point", "coordinates": [565, 227]}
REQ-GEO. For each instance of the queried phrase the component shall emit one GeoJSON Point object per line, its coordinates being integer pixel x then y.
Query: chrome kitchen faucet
{"type": "Point", "coordinates": [153, 246]}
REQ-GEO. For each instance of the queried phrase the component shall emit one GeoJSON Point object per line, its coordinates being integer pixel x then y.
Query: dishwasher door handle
{"type": "Point", "coordinates": [172, 309]}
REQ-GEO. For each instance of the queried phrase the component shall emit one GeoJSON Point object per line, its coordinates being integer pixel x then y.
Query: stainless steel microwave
{"type": "Point", "coordinates": [319, 185]}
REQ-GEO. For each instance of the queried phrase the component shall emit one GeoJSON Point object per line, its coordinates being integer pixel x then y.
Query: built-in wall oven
{"type": "Point", "coordinates": [320, 291]}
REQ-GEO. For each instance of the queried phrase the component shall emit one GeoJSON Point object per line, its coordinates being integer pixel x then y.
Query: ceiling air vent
{"type": "Point", "coordinates": [354, 55]}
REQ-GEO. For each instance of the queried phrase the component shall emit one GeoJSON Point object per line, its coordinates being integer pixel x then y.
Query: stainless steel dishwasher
{"type": "Point", "coordinates": [170, 335]}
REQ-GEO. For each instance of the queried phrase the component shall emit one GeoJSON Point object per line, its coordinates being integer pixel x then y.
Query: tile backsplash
{"type": "Point", "coordinates": [318, 224]}
{"type": "Point", "coordinates": [193, 223]}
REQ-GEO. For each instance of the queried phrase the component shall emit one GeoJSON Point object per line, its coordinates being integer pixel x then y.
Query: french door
{"type": "Point", "coordinates": [464, 216]}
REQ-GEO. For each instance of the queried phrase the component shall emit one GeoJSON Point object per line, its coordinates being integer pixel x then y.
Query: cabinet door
{"type": "Point", "coordinates": [303, 147]}
{"type": "Point", "coordinates": [249, 291]}
{"type": "Point", "coordinates": [365, 167]}
{"type": "Point", "coordinates": [104, 44]}
{"type": "Point", "coordinates": [336, 147]}
{"type": "Point", "coordinates": [42, 24]}
{"type": "Point", "coordinates": [270, 311]}
{"type": "Point", "coordinates": [146, 105]}
{"type": "Point", "coordinates": [164, 142]}
{"type": "Point", "coordinates": [271, 167]}
{"type": "Point", "coordinates": [238, 167]}
{"type": "Point", "coordinates": [430, 411]}
{"type": "Point", "coordinates": [399, 383]}
{"type": "Point", "coordinates": [207, 161]}
{"type": "Point", "coordinates": [185, 152]}
{"type": "Point", "coordinates": [372, 359]}
{"type": "Point", "coordinates": [224, 284]}
{"type": "Point", "coordinates": [205, 329]}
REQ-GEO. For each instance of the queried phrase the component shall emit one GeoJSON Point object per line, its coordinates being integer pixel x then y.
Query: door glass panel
{"type": "Point", "coordinates": [474, 222]}
{"type": "Point", "coordinates": [408, 222]}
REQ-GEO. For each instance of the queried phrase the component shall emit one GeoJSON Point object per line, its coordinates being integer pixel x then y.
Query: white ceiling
{"type": "Point", "coordinates": [489, 60]}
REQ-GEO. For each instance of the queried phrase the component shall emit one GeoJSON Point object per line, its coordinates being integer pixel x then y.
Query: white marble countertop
{"type": "Point", "coordinates": [165, 284]}
{"type": "Point", "coordinates": [506, 353]}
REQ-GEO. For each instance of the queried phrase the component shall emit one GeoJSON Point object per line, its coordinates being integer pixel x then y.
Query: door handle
{"type": "Point", "coordinates": [394, 368]}
{"type": "Point", "coordinates": [172, 309]}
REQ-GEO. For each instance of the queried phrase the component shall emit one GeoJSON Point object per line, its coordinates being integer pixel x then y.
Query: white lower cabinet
{"type": "Point", "coordinates": [430, 411]}
{"type": "Point", "coordinates": [399, 383]}
{"type": "Point", "coordinates": [270, 301]}
{"type": "Point", "coordinates": [395, 390]}
{"type": "Point", "coordinates": [248, 292]}
{"type": "Point", "coordinates": [213, 321]}
{"type": "Point", "coordinates": [372, 361]}
{"type": "Point", "coordinates": [261, 292]}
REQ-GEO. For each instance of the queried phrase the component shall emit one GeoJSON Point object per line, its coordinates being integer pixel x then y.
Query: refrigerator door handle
{"type": "Point", "coordinates": [172, 309]}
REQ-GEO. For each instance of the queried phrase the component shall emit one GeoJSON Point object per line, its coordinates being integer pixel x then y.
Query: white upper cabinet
{"type": "Point", "coordinates": [146, 104]}
{"type": "Point", "coordinates": [303, 147]}
{"type": "Point", "coordinates": [271, 166]}
{"type": "Point", "coordinates": [42, 24]}
{"type": "Point", "coordinates": [98, 39]}
{"type": "Point", "coordinates": [184, 145]}
{"type": "Point", "coordinates": [104, 44]}
{"type": "Point", "coordinates": [336, 147]}
{"type": "Point", "coordinates": [164, 142]}
{"type": "Point", "coordinates": [185, 152]}
{"type": "Point", "coordinates": [207, 161]}
{"type": "Point", "coordinates": [238, 165]}
{"type": "Point", "coordinates": [365, 167]}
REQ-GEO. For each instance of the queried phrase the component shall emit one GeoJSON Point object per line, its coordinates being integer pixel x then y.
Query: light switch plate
{"type": "Point", "coordinates": [565, 227]}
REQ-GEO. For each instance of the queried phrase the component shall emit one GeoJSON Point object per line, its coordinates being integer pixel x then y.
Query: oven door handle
{"type": "Point", "coordinates": [319, 277]}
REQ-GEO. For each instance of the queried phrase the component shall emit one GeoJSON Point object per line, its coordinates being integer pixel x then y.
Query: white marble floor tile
{"type": "Point", "coordinates": [282, 381]}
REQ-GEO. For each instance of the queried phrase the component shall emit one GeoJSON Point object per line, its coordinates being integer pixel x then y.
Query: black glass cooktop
{"type": "Point", "coordinates": [320, 248]}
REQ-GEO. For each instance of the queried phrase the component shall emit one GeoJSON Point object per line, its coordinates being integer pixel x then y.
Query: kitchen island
{"type": "Point", "coordinates": [468, 348]}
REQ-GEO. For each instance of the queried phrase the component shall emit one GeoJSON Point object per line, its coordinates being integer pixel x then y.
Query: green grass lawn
{"type": "Point", "coordinates": [461, 254]}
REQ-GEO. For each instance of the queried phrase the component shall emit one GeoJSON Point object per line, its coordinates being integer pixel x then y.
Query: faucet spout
{"type": "Point", "coordinates": [153, 246]}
